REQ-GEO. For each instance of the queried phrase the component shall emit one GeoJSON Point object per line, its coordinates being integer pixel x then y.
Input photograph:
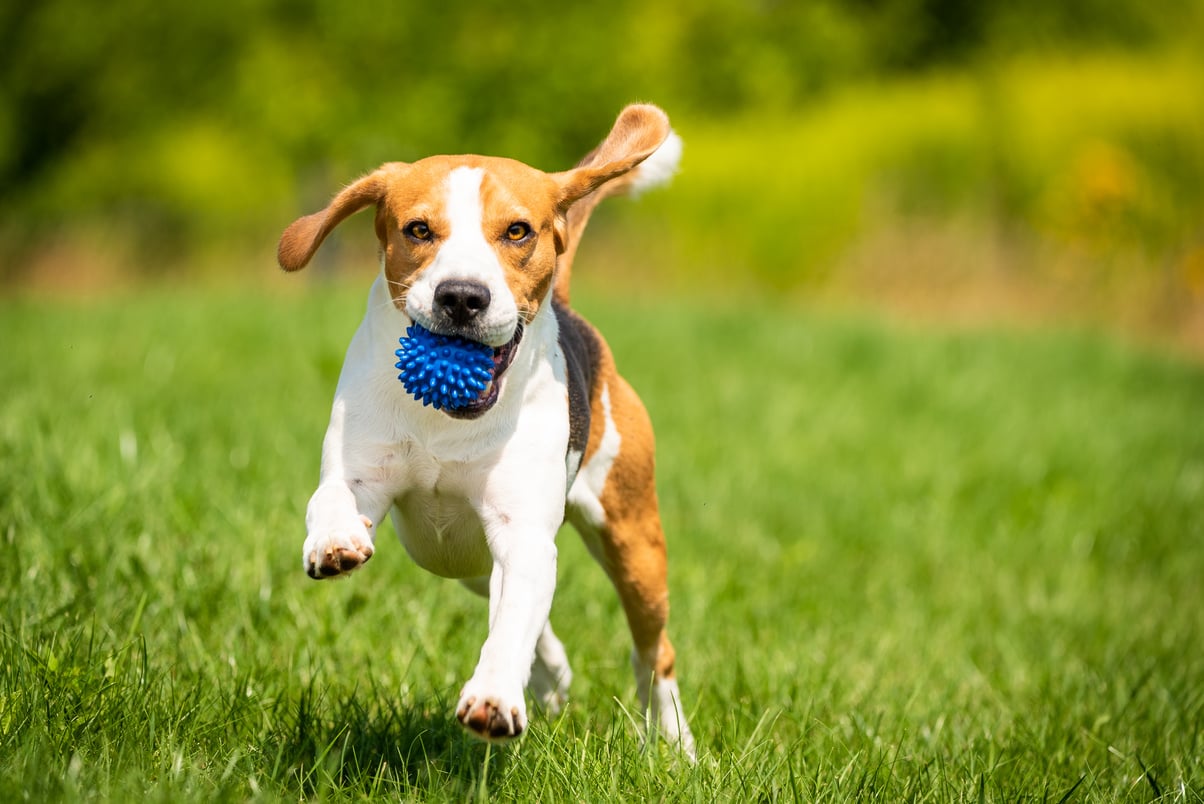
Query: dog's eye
{"type": "Point", "coordinates": [519, 230]}
{"type": "Point", "coordinates": [417, 230]}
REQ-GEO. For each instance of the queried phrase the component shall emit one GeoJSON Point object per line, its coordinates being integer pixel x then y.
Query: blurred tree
{"type": "Point", "coordinates": [178, 122]}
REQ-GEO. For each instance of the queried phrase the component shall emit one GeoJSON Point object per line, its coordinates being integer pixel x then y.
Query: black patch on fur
{"type": "Point", "coordinates": [582, 352]}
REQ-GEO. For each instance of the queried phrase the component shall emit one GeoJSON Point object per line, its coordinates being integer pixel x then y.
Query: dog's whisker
{"type": "Point", "coordinates": [397, 292]}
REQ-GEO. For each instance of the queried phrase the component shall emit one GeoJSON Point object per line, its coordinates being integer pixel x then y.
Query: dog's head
{"type": "Point", "coordinates": [469, 243]}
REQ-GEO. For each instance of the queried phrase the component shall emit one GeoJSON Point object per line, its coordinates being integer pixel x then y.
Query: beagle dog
{"type": "Point", "coordinates": [481, 248]}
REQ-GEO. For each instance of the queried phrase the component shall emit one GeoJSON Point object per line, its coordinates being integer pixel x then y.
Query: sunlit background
{"type": "Point", "coordinates": [963, 159]}
{"type": "Point", "coordinates": [920, 324]}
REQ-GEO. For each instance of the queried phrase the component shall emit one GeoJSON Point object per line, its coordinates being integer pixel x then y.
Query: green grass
{"type": "Point", "coordinates": [906, 565]}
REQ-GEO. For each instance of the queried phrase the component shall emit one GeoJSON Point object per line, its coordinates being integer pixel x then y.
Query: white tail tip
{"type": "Point", "coordinates": [660, 167]}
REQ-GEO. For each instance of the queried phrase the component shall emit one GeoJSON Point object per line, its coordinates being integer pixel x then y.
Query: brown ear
{"type": "Point", "coordinates": [639, 130]}
{"type": "Point", "coordinates": [303, 236]}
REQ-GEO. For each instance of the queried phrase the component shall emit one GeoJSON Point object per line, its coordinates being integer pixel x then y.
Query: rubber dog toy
{"type": "Point", "coordinates": [443, 371]}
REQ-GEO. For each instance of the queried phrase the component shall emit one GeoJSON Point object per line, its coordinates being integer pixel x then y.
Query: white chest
{"type": "Point", "coordinates": [436, 517]}
{"type": "Point", "coordinates": [454, 486]}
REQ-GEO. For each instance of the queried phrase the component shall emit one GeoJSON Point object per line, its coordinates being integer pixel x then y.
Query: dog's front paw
{"type": "Point", "coordinates": [338, 552]}
{"type": "Point", "coordinates": [490, 715]}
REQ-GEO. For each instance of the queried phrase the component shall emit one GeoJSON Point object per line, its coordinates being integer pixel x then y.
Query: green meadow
{"type": "Point", "coordinates": [908, 563]}
{"type": "Point", "coordinates": [918, 323]}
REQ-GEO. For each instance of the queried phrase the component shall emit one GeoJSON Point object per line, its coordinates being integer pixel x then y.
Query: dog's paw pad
{"type": "Point", "coordinates": [489, 719]}
{"type": "Point", "coordinates": [337, 557]}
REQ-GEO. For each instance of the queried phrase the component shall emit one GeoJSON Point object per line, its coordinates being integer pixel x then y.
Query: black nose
{"type": "Point", "coordinates": [461, 300]}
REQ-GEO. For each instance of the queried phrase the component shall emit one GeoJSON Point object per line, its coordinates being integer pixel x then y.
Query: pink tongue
{"type": "Point", "coordinates": [501, 355]}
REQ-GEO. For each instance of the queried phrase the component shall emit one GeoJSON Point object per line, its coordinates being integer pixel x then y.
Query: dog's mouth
{"type": "Point", "coordinates": [503, 356]}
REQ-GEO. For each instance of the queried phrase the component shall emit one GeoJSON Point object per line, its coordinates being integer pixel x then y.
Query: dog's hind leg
{"type": "Point", "coordinates": [613, 506]}
{"type": "Point", "coordinates": [550, 673]}
{"type": "Point", "coordinates": [636, 563]}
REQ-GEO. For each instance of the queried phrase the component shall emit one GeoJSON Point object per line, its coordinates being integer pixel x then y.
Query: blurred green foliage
{"type": "Point", "coordinates": [188, 127]}
{"type": "Point", "coordinates": [1100, 155]}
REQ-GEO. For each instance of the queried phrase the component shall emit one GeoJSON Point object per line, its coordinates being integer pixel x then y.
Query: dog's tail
{"type": "Point", "coordinates": [654, 171]}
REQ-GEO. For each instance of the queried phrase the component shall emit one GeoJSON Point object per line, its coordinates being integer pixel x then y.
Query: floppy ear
{"type": "Point", "coordinates": [639, 130]}
{"type": "Point", "coordinates": [303, 236]}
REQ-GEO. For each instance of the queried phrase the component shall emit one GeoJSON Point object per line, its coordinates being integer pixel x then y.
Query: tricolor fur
{"type": "Point", "coordinates": [481, 247]}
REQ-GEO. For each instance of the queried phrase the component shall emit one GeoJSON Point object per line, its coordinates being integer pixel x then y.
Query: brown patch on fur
{"type": "Point", "coordinates": [638, 131]}
{"type": "Point", "coordinates": [303, 237]}
{"type": "Point", "coordinates": [632, 539]}
{"type": "Point", "coordinates": [513, 192]}
{"type": "Point", "coordinates": [605, 171]}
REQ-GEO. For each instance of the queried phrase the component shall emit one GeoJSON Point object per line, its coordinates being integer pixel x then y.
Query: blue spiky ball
{"type": "Point", "coordinates": [443, 371]}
